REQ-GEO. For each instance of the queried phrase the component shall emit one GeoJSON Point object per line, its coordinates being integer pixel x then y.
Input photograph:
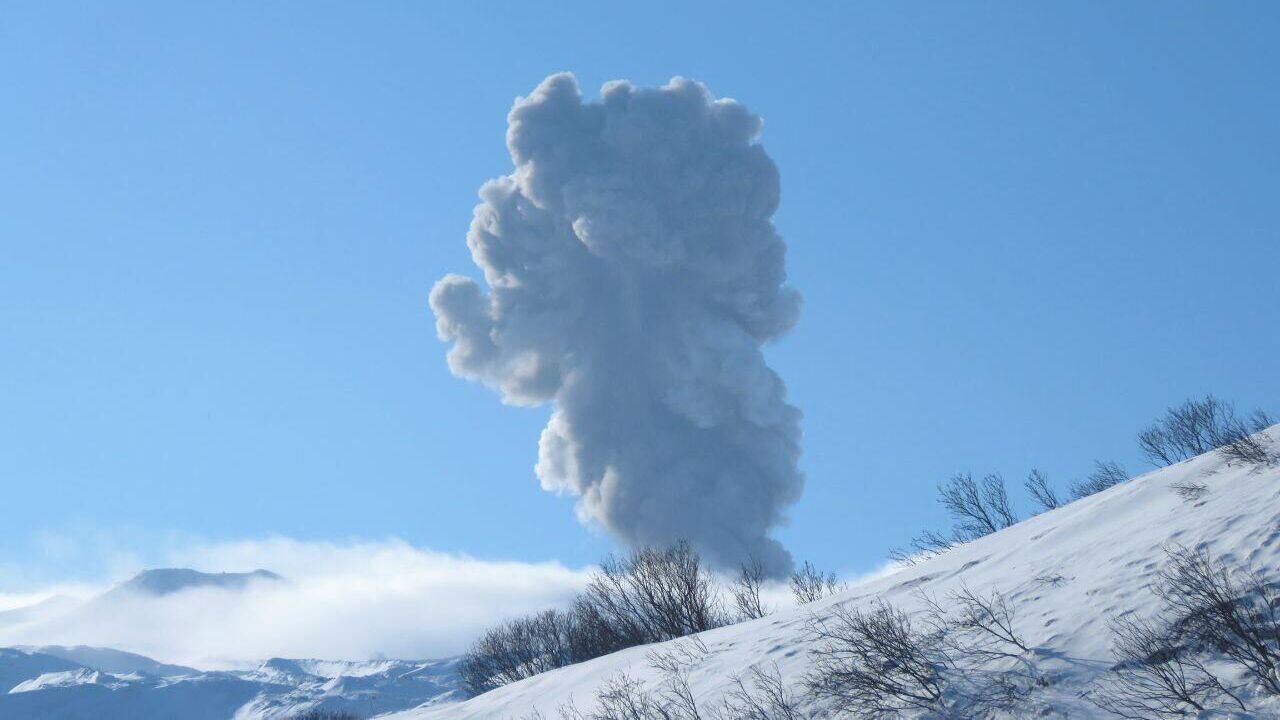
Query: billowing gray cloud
{"type": "Point", "coordinates": [633, 276]}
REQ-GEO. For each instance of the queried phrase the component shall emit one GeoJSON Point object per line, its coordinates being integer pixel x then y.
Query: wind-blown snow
{"type": "Point", "coordinates": [1066, 572]}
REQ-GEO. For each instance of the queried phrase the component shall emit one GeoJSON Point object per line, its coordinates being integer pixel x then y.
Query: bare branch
{"type": "Point", "coordinates": [746, 590]}
{"type": "Point", "coordinates": [1105, 475]}
{"type": "Point", "coordinates": [809, 584]}
{"type": "Point", "coordinates": [1038, 488]}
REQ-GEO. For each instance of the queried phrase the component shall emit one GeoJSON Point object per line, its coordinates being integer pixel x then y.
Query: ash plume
{"type": "Point", "coordinates": [634, 275]}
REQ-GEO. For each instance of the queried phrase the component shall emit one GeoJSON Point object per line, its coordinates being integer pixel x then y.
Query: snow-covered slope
{"type": "Point", "coordinates": [1065, 573]}
{"type": "Point", "coordinates": [73, 683]}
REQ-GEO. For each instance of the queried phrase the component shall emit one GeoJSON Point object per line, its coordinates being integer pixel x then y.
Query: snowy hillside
{"type": "Point", "coordinates": [74, 683]}
{"type": "Point", "coordinates": [1065, 573]}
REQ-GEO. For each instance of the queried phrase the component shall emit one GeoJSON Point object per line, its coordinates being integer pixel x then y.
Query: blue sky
{"type": "Point", "coordinates": [1021, 231]}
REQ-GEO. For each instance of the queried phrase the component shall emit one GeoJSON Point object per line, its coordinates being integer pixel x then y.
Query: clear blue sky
{"type": "Point", "coordinates": [1020, 230]}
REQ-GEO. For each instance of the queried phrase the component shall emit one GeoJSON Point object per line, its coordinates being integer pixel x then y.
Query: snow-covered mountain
{"type": "Point", "coordinates": [137, 595]}
{"type": "Point", "coordinates": [107, 660]}
{"type": "Point", "coordinates": [72, 684]}
{"type": "Point", "coordinates": [1065, 574]}
{"type": "Point", "coordinates": [53, 682]}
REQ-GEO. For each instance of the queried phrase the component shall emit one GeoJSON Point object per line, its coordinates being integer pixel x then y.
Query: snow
{"type": "Point", "coordinates": [62, 684]}
{"type": "Point", "coordinates": [70, 678]}
{"type": "Point", "coordinates": [112, 661]}
{"type": "Point", "coordinates": [1065, 573]}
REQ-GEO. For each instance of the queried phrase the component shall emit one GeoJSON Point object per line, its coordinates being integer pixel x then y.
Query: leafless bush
{"type": "Point", "coordinates": [1198, 426]}
{"type": "Point", "coordinates": [976, 509]}
{"type": "Point", "coordinates": [1156, 676]}
{"type": "Point", "coordinates": [923, 546]}
{"type": "Point", "coordinates": [1038, 488]}
{"type": "Point", "coordinates": [677, 656]}
{"type": "Point", "coordinates": [1190, 490]}
{"type": "Point", "coordinates": [746, 589]}
{"type": "Point", "coordinates": [1105, 475]}
{"type": "Point", "coordinates": [647, 596]}
{"type": "Point", "coordinates": [1246, 443]}
{"type": "Point", "coordinates": [989, 620]}
{"type": "Point", "coordinates": [517, 649]}
{"type": "Point", "coordinates": [318, 714]}
{"type": "Point", "coordinates": [625, 698]}
{"type": "Point", "coordinates": [1210, 613]}
{"type": "Point", "coordinates": [994, 667]}
{"type": "Point", "coordinates": [761, 696]}
{"type": "Point", "coordinates": [650, 595]}
{"type": "Point", "coordinates": [809, 584]}
{"type": "Point", "coordinates": [875, 663]}
{"type": "Point", "coordinates": [880, 663]}
{"type": "Point", "coordinates": [1235, 612]}
{"type": "Point", "coordinates": [1051, 579]}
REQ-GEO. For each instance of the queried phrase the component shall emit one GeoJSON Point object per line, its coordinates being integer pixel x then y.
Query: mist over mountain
{"type": "Point", "coordinates": [166, 581]}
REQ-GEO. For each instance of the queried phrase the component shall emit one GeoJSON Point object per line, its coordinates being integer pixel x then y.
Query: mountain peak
{"type": "Point", "coordinates": [165, 581]}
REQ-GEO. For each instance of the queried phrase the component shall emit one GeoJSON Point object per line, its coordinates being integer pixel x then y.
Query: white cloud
{"type": "Point", "coordinates": [348, 600]}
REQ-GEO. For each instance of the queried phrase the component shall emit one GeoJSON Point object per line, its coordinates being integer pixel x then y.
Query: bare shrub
{"type": "Point", "coordinates": [1246, 443]}
{"type": "Point", "coordinates": [517, 649]}
{"type": "Point", "coordinates": [1190, 490]}
{"type": "Point", "coordinates": [761, 696]}
{"type": "Point", "coordinates": [923, 546]}
{"type": "Point", "coordinates": [625, 698]}
{"type": "Point", "coordinates": [647, 596]}
{"type": "Point", "coordinates": [880, 663]}
{"type": "Point", "coordinates": [1105, 475]}
{"type": "Point", "coordinates": [1037, 486]}
{"type": "Point", "coordinates": [1051, 580]}
{"type": "Point", "coordinates": [1235, 612]}
{"type": "Point", "coordinates": [1157, 677]}
{"type": "Point", "coordinates": [677, 656]}
{"type": "Point", "coordinates": [809, 584]}
{"type": "Point", "coordinates": [1198, 426]}
{"type": "Point", "coordinates": [746, 589]}
{"type": "Point", "coordinates": [994, 667]}
{"type": "Point", "coordinates": [875, 663]}
{"type": "Point", "coordinates": [976, 509]}
{"type": "Point", "coordinates": [318, 714]}
{"type": "Point", "coordinates": [988, 618]}
{"type": "Point", "coordinates": [1211, 613]}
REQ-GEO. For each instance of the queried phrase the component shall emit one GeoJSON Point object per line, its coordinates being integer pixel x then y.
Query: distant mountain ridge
{"type": "Point", "coordinates": [107, 660]}
{"type": "Point", "coordinates": [56, 683]}
{"type": "Point", "coordinates": [167, 581]}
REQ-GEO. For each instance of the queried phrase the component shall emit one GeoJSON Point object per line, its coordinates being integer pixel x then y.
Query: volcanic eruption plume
{"type": "Point", "coordinates": [634, 275]}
